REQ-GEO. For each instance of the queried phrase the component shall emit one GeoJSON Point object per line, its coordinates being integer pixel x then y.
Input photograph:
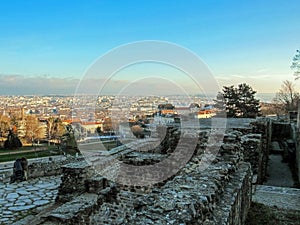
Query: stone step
{"type": "Point", "coordinates": [281, 197]}
{"type": "Point", "coordinates": [276, 147]}
{"type": "Point", "coordinates": [68, 211]}
{"type": "Point", "coordinates": [38, 218]}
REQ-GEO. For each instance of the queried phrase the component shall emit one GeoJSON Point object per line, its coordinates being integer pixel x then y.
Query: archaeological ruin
{"type": "Point", "coordinates": [209, 187]}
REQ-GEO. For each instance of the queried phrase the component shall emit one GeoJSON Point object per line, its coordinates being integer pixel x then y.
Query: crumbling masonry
{"type": "Point", "coordinates": [220, 194]}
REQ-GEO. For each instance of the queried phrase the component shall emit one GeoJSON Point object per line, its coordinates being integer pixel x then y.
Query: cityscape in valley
{"type": "Point", "coordinates": [31, 116]}
{"type": "Point", "coordinates": [92, 112]}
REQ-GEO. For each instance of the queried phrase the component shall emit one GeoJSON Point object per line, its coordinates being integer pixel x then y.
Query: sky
{"type": "Point", "coordinates": [48, 46]}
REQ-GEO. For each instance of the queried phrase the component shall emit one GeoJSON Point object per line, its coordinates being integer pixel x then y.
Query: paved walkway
{"type": "Point", "coordinates": [18, 198]}
{"type": "Point", "coordinates": [279, 172]}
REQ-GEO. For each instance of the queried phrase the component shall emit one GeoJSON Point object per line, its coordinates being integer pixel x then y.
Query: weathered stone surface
{"type": "Point", "coordinates": [20, 198]}
{"type": "Point", "coordinates": [40, 202]}
{"type": "Point", "coordinates": [21, 208]}
{"type": "Point", "coordinates": [212, 187]}
{"type": "Point", "coordinates": [12, 196]}
{"type": "Point", "coordinates": [75, 211]}
{"type": "Point", "coordinates": [252, 150]}
{"type": "Point", "coordinates": [281, 197]}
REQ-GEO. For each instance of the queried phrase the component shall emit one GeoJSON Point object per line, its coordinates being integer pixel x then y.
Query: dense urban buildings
{"type": "Point", "coordinates": [36, 118]}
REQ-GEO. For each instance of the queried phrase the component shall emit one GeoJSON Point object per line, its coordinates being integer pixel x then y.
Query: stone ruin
{"type": "Point", "coordinates": [220, 194]}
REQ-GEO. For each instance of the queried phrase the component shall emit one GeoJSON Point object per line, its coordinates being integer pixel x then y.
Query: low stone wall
{"type": "Point", "coordinates": [41, 167]}
{"type": "Point", "coordinates": [193, 198]}
{"type": "Point", "coordinates": [50, 167]}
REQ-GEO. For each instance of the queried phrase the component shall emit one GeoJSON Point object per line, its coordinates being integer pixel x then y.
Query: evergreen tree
{"type": "Point", "coordinates": [239, 102]}
{"type": "Point", "coordinates": [69, 139]}
{"type": "Point", "coordinates": [98, 130]}
{"type": "Point", "coordinates": [13, 141]}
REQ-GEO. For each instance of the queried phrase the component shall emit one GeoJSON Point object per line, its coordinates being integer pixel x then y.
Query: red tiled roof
{"type": "Point", "coordinates": [90, 123]}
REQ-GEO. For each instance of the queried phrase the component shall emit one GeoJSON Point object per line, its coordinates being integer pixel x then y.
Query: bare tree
{"type": "Point", "coordinates": [34, 130]}
{"type": "Point", "coordinates": [107, 125]}
{"type": "Point", "coordinates": [50, 125]}
{"type": "Point", "coordinates": [287, 96]}
{"type": "Point", "coordinates": [55, 129]}
{"type": "Point", "coordinates": [137, 131]}
{"type": "Point", "coordinates": [5, 124]}
{"type": "Point", "coordinates": [59, 129]}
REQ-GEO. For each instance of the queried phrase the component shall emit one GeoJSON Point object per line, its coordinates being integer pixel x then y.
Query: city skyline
{"type": "Point", "coordinates": [48, 46]}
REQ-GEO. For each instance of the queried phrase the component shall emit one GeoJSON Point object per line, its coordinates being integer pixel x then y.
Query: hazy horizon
{"type": "Point", "coordinates": [263, 97]}
{"type": "Point", "coordinates": [18, 85]}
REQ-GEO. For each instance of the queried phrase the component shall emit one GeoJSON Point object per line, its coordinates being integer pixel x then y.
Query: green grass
{"type": "Point", "coordinates": [36, 152]}
{"type": "Point", "coordinates": [110, 145]}
{"type": "Point", "coordinates": [28, 155]}
{"type": "Point", "coordinates": [24, 148]}
{"type": "Point", "coordinates": [51, 150]}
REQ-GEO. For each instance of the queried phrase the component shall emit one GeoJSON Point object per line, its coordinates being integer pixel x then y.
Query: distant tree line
{"type": "Point", "coordinates": [15, 130]}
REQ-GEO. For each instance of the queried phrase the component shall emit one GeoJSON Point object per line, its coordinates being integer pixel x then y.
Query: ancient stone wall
{"type": "Point", "coordinates": [297, 152]}
{"type": "Point", "coordinates": [74, 178]}
{"type": "Point", "coordinates": [263, 127]}
{"type": "Point", "coordinates": [252, 150]}
{"type": "Point", "coordinates": [219, 194]}
{"type": "Point", "coordinates": [50, 167]}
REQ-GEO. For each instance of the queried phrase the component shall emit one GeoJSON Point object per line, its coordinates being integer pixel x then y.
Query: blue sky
{"type": "Point", "coordinates": [240, 41]}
